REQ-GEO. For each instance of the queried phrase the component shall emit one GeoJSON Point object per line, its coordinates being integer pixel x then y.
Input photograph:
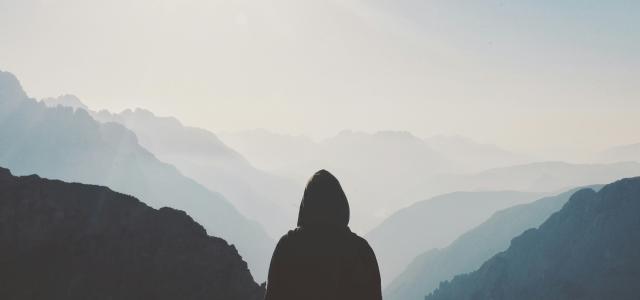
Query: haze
{"type": "Point", "coordinates": [556, 79]}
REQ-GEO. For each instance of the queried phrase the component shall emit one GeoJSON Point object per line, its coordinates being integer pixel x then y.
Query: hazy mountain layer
{"type": "Point", "coordinates": [468, 156]}
{"type": "Point", "coordinates": [386, 171]}
{"type": "Point", "coordinates": [75, 241]}
{"type": "Point", "coordinates": [65, 144]}
{"type": "Point", "coordinates": [620, 153]}
{"type": "Point", "coordinates": [279, 153]}
{"type": "Point", "coordinates": [541, 176]}
{"type": "Point", "coordinates": [434, 223]}
{"type": "Point", "coordinates": [199, 154]}
{"type": "Point", "coordinates": [590, 249]}
{"type": "Point", "coordinates": [65, 100]}
{"type": "Point", "coordinates": [380, 172]}
{"type": "Point", "coordinates": [470, 250]}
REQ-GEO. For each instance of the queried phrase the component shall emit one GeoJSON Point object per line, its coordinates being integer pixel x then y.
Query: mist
{"type": "Point", "coordinates": [420, 149]}
{"type": "Point", "coordinates": [540, 78]}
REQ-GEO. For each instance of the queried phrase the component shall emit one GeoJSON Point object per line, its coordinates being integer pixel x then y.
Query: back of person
{"type": "Point", "coordinates": [322, 258]}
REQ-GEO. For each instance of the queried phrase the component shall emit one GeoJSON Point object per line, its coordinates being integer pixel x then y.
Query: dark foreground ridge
{"type": "Point", "coordinates": [590, 249]}
{"type": "Point", "coordinates": [73, 241]}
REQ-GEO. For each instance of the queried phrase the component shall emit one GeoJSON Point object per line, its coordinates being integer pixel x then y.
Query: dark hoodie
{"type": "Point", "coordinates": [322, 258]}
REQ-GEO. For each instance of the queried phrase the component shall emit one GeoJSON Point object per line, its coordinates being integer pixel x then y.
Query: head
{"type": "Point", "coordinates": [324, 202]}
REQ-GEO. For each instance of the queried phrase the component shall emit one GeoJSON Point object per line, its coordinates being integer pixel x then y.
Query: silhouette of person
{"type": "Point", "coordinates": [322, 258]}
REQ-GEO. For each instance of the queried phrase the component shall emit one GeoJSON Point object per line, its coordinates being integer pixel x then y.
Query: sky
{"type": "Point", "coordinates": [557, 78]}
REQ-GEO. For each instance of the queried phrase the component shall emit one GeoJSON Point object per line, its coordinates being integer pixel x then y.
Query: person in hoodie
{"type": "Point", "coordinates": [322, 258]}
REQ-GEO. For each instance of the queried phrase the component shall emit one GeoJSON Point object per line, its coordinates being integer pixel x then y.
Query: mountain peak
{"type": "Point", "coordinates": [66, 100]}
{"type": "Point", "coordinates": [10, 87]}
{"type": "Point", "coordinates": [138, 114]}
{"type": "Point", "coordinates": [69, 144]}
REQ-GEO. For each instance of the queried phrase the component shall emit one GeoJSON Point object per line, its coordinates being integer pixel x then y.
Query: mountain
{"type": "Point", "coordinates": [470, 250]}
{"type": "Point", "coordinates": [272, 152]}
{"type": "Point", "coordinates": [200, 155]}
{"type": "Point", "coordinates": [74, 241]}
{"type": "Point", "coordinates": [620, 153]}
{"type": "Point", "coordinates": [65, 100]}
{"type": "Point", "coordinates": [470, 156]}
{"type": "Point", "coordinates": [539, 177]}
{"type": "Point", "coordinates": [67, 144]}
{"type": "Point", "coordinates": [590, 249]}
{"type": "Point", "coordinates": [380, 172]}
{"type": "Point", "coordinates": [434, 223]}
{"type": "Point", "coordinates": [385, 171]}
{"type": "Point", "coordinates": [10, 88]}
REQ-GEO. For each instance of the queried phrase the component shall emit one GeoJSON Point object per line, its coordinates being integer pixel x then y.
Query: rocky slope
{"type": "Point", "coordinates": [73, 241]}
{"type": "Point", "coordinates": [590, 249]}
{"type": "Point", "coordinates": [67, 144]}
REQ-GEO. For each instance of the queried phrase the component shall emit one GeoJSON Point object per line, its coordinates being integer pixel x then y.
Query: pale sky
{"type": "Point", "coordinates": [532, 76]}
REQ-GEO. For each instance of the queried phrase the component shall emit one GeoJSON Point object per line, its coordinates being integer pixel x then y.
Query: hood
{"type": "Point", "coordinates": [323, 202]}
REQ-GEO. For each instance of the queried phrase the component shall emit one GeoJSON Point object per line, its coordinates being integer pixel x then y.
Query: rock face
{"type": "Point", "coordinates": [69, 145]}
{"type": "Point", "coordinates": [72, 241]}
{"type": "Point", "coordinates": [590, 249]}
{"type": "Point", "coordinates": [470, 250]}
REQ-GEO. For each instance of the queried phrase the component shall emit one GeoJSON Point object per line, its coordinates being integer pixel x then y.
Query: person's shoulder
{"type": "Point", "coordinates": [291, 235]}
{"type": "Point", "coordinates": [364, 250]}
{"type": "Point", "coordinates": [360, 241]}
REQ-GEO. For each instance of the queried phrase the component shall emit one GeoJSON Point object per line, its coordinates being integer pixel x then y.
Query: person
{"type": "Point", "coordinates": [322, 258]}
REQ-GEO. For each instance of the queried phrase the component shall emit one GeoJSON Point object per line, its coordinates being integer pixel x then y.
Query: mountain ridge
{"type": "Point", "coordinates": [471, 249]}
{"type": "Point", "coordinates": [201, 155]}
{"type": "Point", "coordinates": [78, 241]}
{"type": "Point", "coordinates": [434, 223]}
{"type": "Point", "coordinates": [68, 144]}
{"type": "Point", "coordinates": [589, 249]}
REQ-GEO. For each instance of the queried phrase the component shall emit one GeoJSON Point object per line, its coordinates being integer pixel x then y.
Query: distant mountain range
{"type": "Point", "coordinates": [246, 187]}
{"type": "Point", "coordinates": [620, 153]}
{"type": "Point", "coordinates": [74, 241]}
{"type": "Point", "coordinates": [540, 176]}
{"type": "Point", "coordinates": [385, 171]}
{"type": "Point", "coordinates": [590, 249]}
{"type": "Point", "coordinates": [468, 156]}
{"type": "Point", "coordinates": [381, 172]}
{"type": "Point", "coordinates": [470, 250]}
{"type": "Point", "coordinates": [66, 101]}
{"type": "Point", "coordinates": [434, 223]}
{"type": "Point", "coordinates": [199, 154]}
{"type": "Point", "coordinates": [277, 153]}
{"type": "Point", "coordinates": [282, 153]}
{"type": "Point", "coordinates": [68, 144]}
